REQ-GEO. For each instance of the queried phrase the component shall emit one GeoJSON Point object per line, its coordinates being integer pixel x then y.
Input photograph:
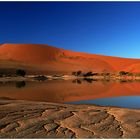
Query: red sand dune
{"type": "Point", "coordinates": [54, 60]}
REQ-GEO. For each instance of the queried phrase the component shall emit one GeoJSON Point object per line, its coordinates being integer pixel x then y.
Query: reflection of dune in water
{"type": "Point", "coordinates": [67, 91]}
{"type": "Point", "coordinates": [125, 89]}
{"type": "Point", "coordinates": [134, 87]}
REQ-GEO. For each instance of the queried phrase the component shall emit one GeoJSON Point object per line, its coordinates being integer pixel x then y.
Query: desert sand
{"type": "Point", "coordinates": [34, 119]}
{"type": "Point", "coordinates": [26, 119]}
{"type": "Point", "coordinates": [51, 60]}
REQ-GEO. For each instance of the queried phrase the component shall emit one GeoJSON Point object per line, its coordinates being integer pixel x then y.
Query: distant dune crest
{"type": "Point", "coordinates": [54, 60]}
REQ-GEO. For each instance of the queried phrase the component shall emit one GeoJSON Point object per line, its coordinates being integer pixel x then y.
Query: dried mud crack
{"type": "Point", "coordinates": [25, 119]}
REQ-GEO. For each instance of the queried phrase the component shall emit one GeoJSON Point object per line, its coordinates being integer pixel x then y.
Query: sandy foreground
{"type": "Point", "coordinates": [26, 119]}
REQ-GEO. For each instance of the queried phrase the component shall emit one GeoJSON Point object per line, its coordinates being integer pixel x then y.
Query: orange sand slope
{"type": "Point", "coordinates": [53, 60]}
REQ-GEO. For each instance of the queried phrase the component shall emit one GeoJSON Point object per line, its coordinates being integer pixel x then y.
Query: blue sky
{"type": "Point", "coordinates": [108, 28]}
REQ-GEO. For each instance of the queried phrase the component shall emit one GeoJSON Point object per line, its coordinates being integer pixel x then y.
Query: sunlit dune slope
{"type": "Point", "coordinates": [52, 60]}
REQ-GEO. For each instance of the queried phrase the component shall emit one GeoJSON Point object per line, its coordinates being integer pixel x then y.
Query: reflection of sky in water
{"type": "Point", "coordinates": [125, 101]}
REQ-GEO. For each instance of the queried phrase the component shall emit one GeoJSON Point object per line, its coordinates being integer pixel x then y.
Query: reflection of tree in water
{"type": "Point", "coordinates": [105, 81]}
{"type": "Point", "coordinates": [79, 81]}
{"type": "Point", "coordinates": [89, 80]}
{"type": "Point", "coordinates": [20, 84]}
{"type": "Point", "coordinates": [125, 81]}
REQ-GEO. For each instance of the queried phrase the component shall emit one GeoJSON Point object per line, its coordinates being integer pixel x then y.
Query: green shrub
{"type": "Point", "coordinates": [88, 74]}
{"type": "Point", "coordinates": [77, 73]}
{"type": "Point", "coordinates": [40, 78]}
{"type": "Point", "coordinates": [123, 73]}
{"type": "Point", "coordinates": [20, 72]}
